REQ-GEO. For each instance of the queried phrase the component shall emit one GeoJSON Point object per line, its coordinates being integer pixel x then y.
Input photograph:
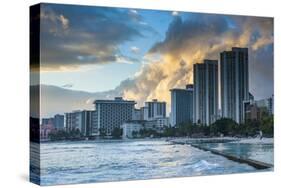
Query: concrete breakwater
{"type": "Point", "coordinates": [197, 143]}
{"type": "Point", "coordinates": [203, 140]}
{"type": "Point", "coordinates": [254, 163]}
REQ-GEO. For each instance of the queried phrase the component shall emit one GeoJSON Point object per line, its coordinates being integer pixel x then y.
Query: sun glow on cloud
{"type": "Point", "coordinates": [168, 63]}
{"type": "Point", "coordinates": [188, 42]}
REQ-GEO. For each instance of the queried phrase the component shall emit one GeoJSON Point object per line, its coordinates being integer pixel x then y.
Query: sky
{"type": "Point", "coordinates": [142, 54]}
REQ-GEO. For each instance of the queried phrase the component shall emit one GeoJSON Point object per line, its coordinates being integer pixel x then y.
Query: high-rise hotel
{"type": "Point", "coordinates": [154, 109]}
{"type": "Point", "coordinates": [234, 79]}
{"type": "Point", "coordinates": [113, 113]}
{"type": "Point", "coordinates": [181, 105]}
{"type": "Point", "coordinates": [205, 92]}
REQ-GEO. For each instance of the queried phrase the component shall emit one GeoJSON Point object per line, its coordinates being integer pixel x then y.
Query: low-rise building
{"type": "Point", "coordinates": [111, 114]}
{"type": "Point", "coordinates": [73, 120]}
{"type": "Point", "coordinates": [255, 110]}
{"type": "Point", "coordinates": [131, 128]}
{"type": "Point", "coordinates": [58, 121]}
{"type": "Point", "coordinates": [45, 130]}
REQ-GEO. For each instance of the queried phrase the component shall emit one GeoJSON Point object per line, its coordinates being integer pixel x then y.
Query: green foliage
{"type": "Point", "coordinates": [65, 135]}
{"type": "Point", "coordinates": [116, 133]}
{"type": "Point", "coordinates": [267, 125]}
{"type": "Point", "coordinates": [102, 132]}
{"type": "Point", "coordinates": [148, 133]}
{"type": "Point", "coordinates": [224, 126]}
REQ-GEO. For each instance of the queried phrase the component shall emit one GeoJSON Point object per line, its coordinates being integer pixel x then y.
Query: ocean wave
{"type": "Point", "coordinates": [202, 165]}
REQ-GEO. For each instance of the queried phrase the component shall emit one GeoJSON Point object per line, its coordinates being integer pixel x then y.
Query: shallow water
{"type": "Point", "coordinates": [258, 151]}
{"type": "Point", "coordinates": [89, 161]}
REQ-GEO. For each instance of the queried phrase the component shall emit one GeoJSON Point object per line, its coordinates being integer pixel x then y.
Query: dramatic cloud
{"type": "Point", "coordinates": [75, 36]}
{"type": "Point", "coordinates": [169, 63]}
{"type": "Point", "coordinates": [196, 38]}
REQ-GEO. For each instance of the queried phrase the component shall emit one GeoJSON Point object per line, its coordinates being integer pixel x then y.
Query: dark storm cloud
{"type": "Point", "coordinates": [80, 35]}
{"type": "Point", "coordinates": [182, 33]}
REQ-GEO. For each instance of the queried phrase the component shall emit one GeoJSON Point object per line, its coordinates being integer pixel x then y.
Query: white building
{"type": "Point", "coordinates": [137, 115]}
{"type": "Point", "coordinates": [130, 127]}
{"type": "Point", "coordinates": [94, 124]}
{"type": "Point", "coordinates": [112, 114]}
{"type": "Point", "coordinates": [157, 124]}
{"type": "Point", "coordinates": [144, 113]}
{"type": "Point", "coordinates": [73, 120]}
{"type": "Point", "coordinates": [155, 109]}
{"type": "Point", "coordinates": [84, 121]}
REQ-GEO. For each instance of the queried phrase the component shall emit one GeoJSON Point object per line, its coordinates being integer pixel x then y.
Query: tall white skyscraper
{"type": "Point", "coordinates": [234, 82]}
{"type": "Point", "coordinates": [205, 94]}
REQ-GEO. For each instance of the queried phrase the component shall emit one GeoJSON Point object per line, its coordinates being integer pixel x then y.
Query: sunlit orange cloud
{"type": "Point", "coordinates": [174, 67]}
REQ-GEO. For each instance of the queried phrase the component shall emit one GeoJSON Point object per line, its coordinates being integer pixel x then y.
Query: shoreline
{"type": "Point", "coordinates": [177, 140]}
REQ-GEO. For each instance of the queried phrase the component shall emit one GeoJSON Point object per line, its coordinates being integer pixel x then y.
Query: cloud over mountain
{"type": "Point", "coordinates": [91, 37]}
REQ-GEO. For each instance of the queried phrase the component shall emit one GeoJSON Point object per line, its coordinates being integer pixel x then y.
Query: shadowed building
{"type": "Point", "coordinates": [73, 120]}
{"type": "Point", "coordinates": [205, 93]}
{"type": "Point", "coordinates": [234, 83]}
{"type": "Point", "coordinates": [59, 121]}
{"type": "Point", "coordinates": [181, 105]}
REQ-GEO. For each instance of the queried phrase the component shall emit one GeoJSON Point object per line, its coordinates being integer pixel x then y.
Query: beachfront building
{"type": "Point", "coordinates": [73, 120]}
{"type": "Point", "coordinates": [267, 104]}
{"type": "Point", "coordinates": [113, 113]}
{"type": "Point", "coordinates": [131, 129]}
{"type": "Point", "coordinates": [181, 105]}
{"type": "Point", "coordinates": [58, 121]}
{"type": "Point", "coordinates": [144, 113]}
{"type": "Point", "coordinates": [137, 115]}
{"type": "Point", "coordinates": [47, 121]}
{"type": "Point", "coordinates": [45, 130]}
{"type": "Point", "coordinates": [255, 110]}
{"type": "Point", "coordinates": [205, 92]}
{"type": "Point", "coordinates": [94, 124]}
{"type": "Point", "coordinates": [234, 79]}
{"type": "Point", "coordinates": [86, 122]}
{"type": "Point", "coordinates": [155, 109]}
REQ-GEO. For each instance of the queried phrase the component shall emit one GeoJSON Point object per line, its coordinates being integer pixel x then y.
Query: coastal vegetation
{"type": "Point", "coordinates": [222, 127]}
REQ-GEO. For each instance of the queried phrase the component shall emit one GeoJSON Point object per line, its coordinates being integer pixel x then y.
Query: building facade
{"type": "Point", "coordinates": [113, 113]}
{"type": "Point", "coordinates": [205, 92]}
{"type": "Point", "coordinates": [94, 124]}
{"type": "Point", "coordinates": [137, 115]}
{"type": "Point", "coordinates": [73, 120]}
{"type": "Point", "coordinates": [144, 113]}
{"type": "Point", "coordinates": [86, 122]}
{"type": "Point", "coordinates": [181, 105]}
{"type": "Point", "coordinates": [155, 109]}
{"type": "Point", "coordinates": [268, 104]}
{"type": "Point", "coordinates": [59, 122]}
{"type": "Point", "coordinates": [47, 121]}
{"type": "Point", "coordinates": [234, 77]}
{"type": "Point", "coordinates": [130, 128]}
